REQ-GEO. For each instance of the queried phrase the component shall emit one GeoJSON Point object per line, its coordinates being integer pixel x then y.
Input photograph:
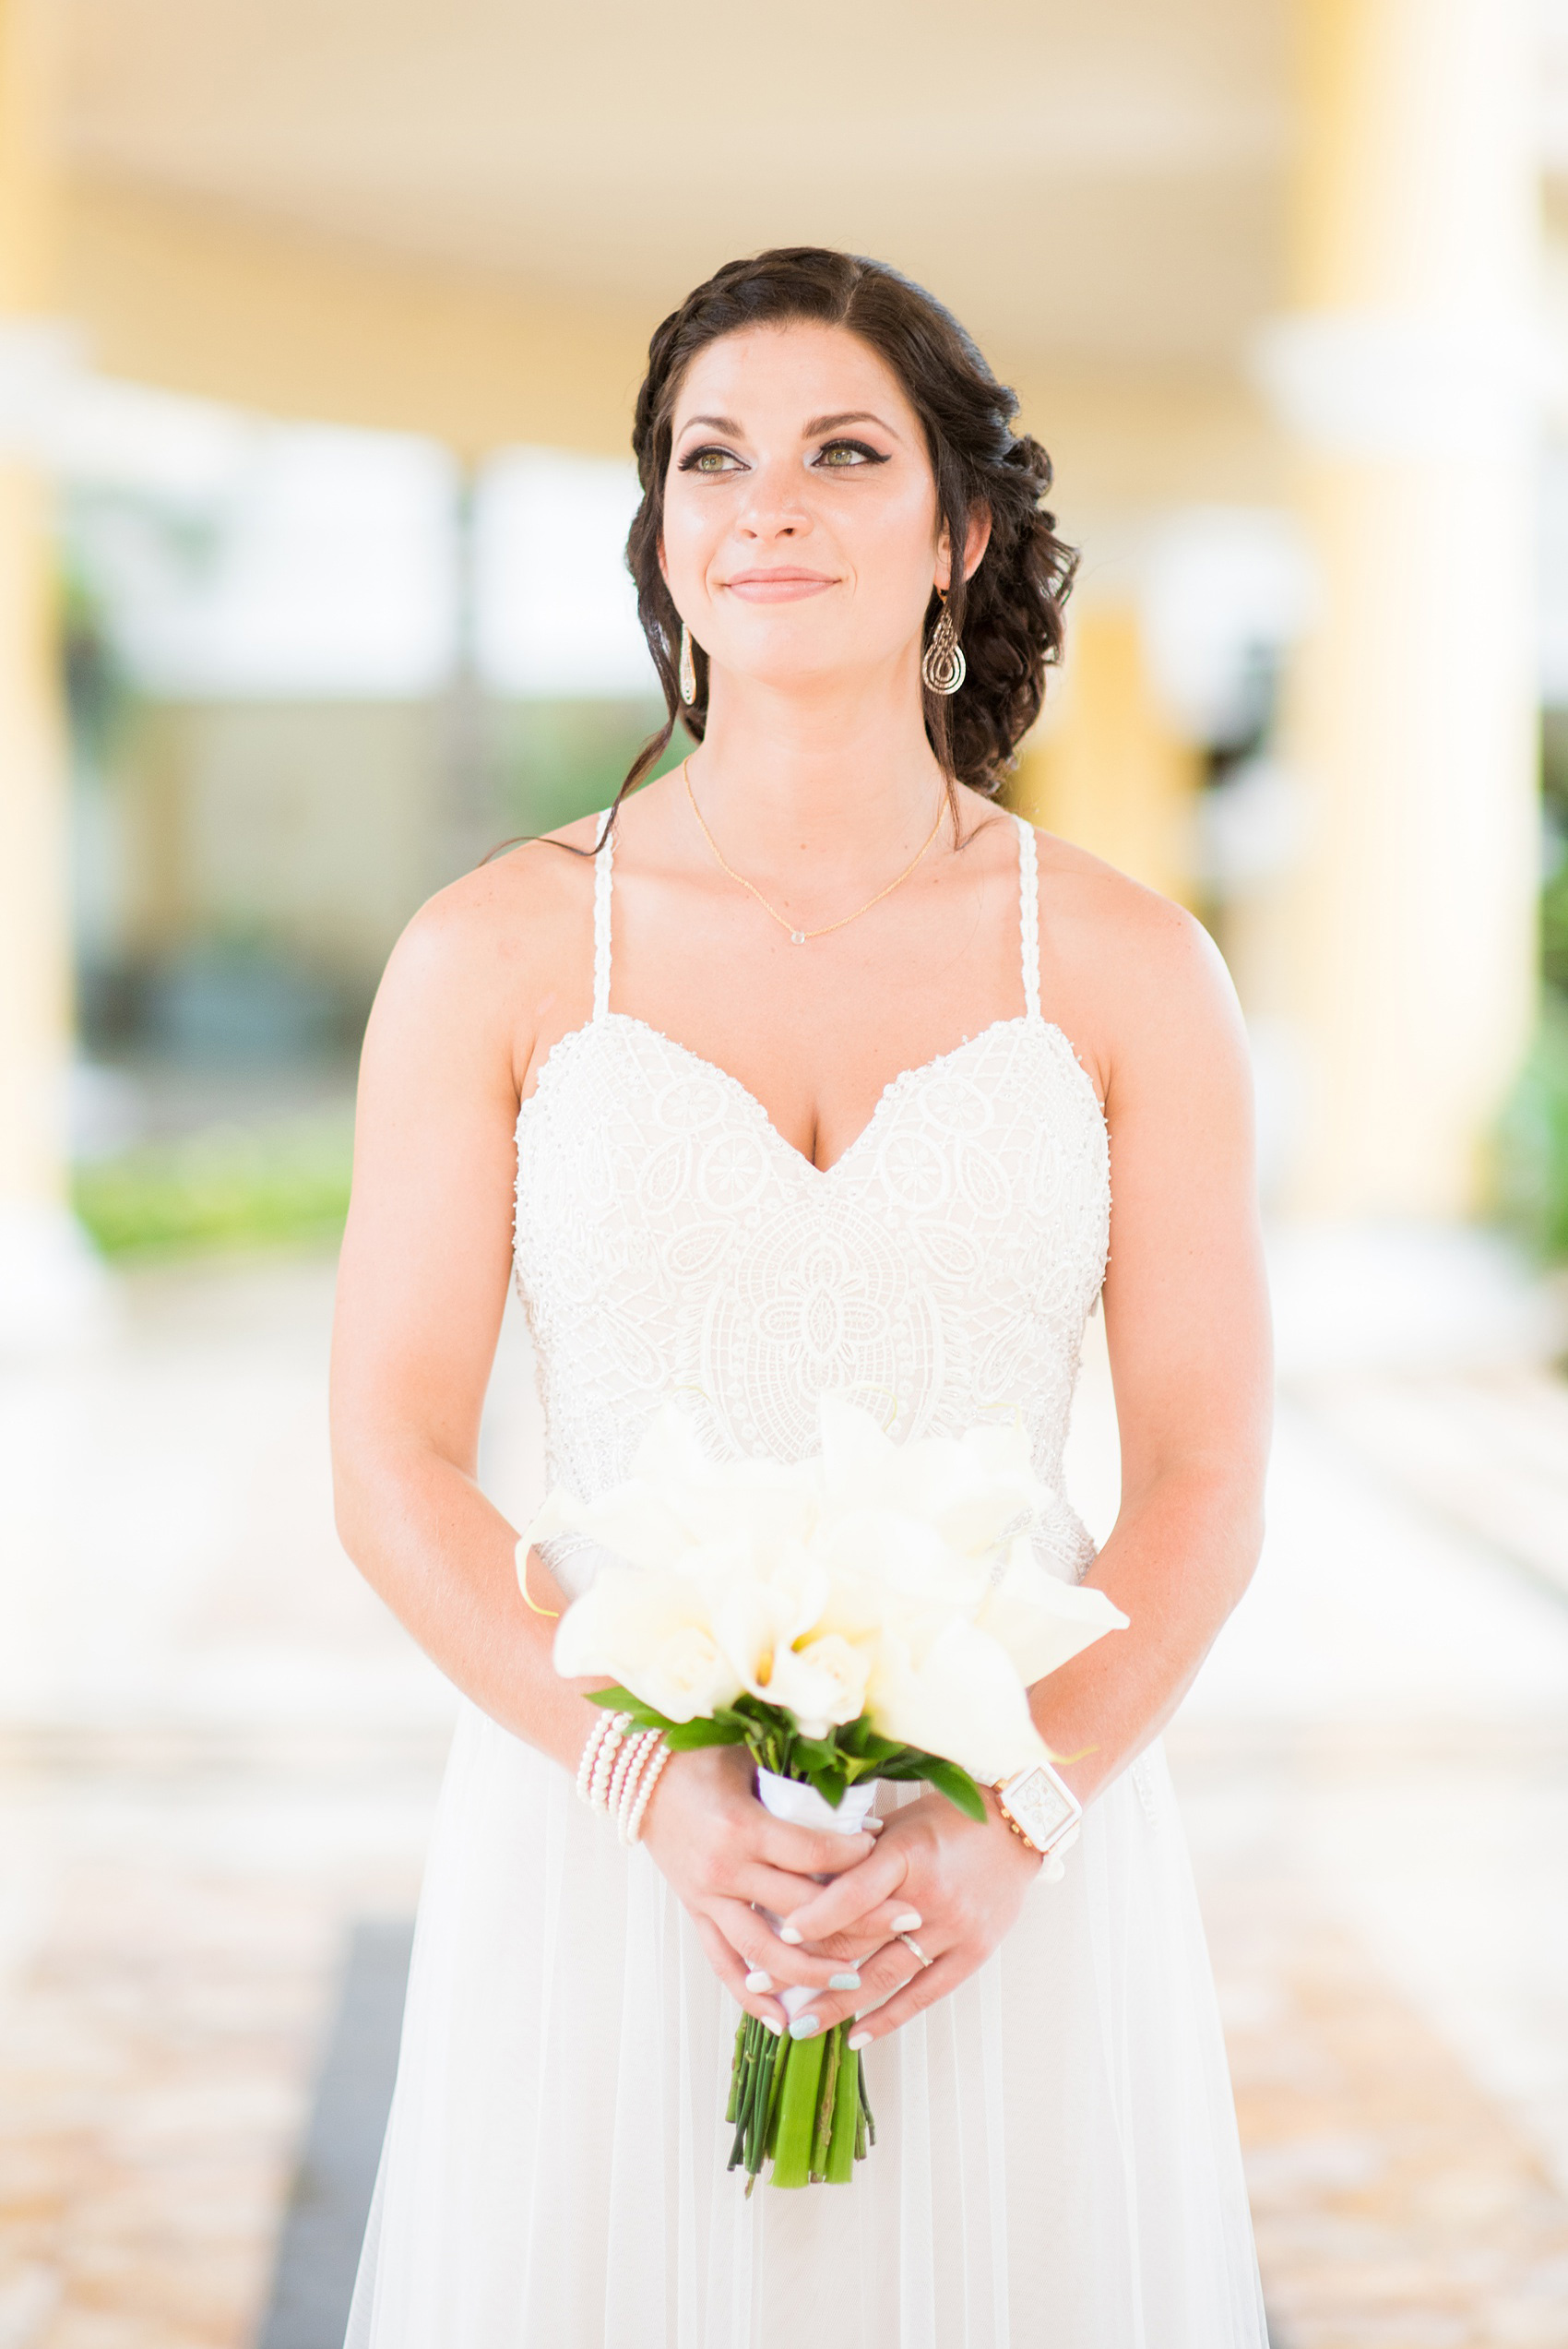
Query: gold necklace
{"type": "Point", "coordinates": [799, 938]}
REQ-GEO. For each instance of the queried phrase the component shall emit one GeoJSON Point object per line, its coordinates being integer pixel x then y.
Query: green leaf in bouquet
{"type": "Point", "coordinates": [829, 1783]}
{"type": "Point", "coordinates": [862, 1743]}
{"type": "Point", "coordinates": [767, 1716]}
{"type": "Point", "coordinates": [683, 1736]}
{"type": "Point", "coordinates": [957, 1784]}
{"type": "Point", "coordinates": [818, 1753]}
{"type": "Point", "coordinates": [727, 1727]}
{"type": "Point", "coordinates": [623, 1700]}
{"type": "Point", "coordinates": [909, 1762]}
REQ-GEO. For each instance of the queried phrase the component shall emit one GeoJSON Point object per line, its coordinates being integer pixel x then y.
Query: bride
{"type": "Point", "coordinates": [809, 1068]}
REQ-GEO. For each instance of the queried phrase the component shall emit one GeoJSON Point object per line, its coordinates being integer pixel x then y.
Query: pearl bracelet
{"type": "Point", "coordinates": [604, 1760]}
{"type": "Point", "coordinates": [632, 1828]}
{"type": "Point", "coordinates": [623, 1792]}
{"type": "Point", "coordinates": [591, 1744]}
{"type": "Point", "coordinates": [619, 1770]}
{"type": "Point", "coordinates": [626, 1760]}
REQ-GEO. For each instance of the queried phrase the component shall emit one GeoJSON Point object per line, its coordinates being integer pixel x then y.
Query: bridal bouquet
{"type": "Point", "coordinates": [876, 1611]}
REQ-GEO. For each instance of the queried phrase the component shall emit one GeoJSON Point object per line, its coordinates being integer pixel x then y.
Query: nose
{"type": "Point", "coordinates": [775, 506]}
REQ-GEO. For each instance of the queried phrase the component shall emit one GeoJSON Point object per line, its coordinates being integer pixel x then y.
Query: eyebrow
{"type": "Point", "coordinates": [848, 416]}
{"type": "Point", "coordinates": [817, 424]}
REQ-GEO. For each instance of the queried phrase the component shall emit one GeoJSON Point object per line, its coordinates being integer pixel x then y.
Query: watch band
{"type": "Point", "coordinates": [1040, 1808]}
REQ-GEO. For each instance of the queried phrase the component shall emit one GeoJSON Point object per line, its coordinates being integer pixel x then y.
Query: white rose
{"type": "Point", "coordinates": [689, 1678]}
{"type": "Point", "coordinates": [822, 1683]}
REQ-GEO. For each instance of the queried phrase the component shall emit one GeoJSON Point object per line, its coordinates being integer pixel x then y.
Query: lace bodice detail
{"type": "Point", "coordinates": [669, 1242]}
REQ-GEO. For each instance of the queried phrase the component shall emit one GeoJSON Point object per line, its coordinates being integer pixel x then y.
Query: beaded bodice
{"type": "Point", "coordinates": [669, 1242]}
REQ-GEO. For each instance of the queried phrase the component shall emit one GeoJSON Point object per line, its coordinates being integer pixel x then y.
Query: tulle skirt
{"type": "Point", "coordinates": [1056, 2165]}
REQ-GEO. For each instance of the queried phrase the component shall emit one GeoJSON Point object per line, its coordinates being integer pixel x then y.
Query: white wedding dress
{"type": "Point", "coordinates": [1056, 2165]}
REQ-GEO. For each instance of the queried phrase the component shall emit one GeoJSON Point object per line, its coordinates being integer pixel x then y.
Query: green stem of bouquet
{"type": "Point", "coordinates": [797, 2112]}
{"type": "Point", "coordinates": [799, 2102]}
{"type": "Point", "coordinates": [839, 2165]}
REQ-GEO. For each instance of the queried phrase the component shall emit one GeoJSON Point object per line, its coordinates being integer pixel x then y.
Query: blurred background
{"type": "Point", "coordinates": [319, 330]}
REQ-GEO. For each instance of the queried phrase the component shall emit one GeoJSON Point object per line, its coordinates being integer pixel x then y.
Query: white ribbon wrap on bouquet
{"type": "Point", "coordinates": [791, 1800]}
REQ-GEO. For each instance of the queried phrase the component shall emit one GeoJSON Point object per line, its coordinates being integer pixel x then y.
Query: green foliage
{"type": "Point", "coordinates": [831, 1764]}
{"type": "Point", "coordinates": [1532, 1141]}
{"type": "Point", "coordinates": [558, 761]}
{"type": "Point", "coordinates": [1554, 929]}
{"type": "Point", "coordinates": [225, 1187]}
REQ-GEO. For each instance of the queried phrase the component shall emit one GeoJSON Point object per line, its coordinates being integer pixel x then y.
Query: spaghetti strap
{"type": "Point", "coordinates": [602, 871]}
{"type": "Point", "coordinates": [1028, 914]}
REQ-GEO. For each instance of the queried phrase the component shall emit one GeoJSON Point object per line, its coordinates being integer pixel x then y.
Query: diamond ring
{"type": "Point", "coordinates": [910, 1943]}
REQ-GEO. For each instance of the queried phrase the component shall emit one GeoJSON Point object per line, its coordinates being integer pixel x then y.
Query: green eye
{"type": "Point", "coordinates": [707, 461]}
{"type": "Point", "coordinates": [847, 456]}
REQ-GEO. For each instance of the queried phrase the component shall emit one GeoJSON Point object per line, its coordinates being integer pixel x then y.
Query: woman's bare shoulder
{"type": "Point", "coordinates": [1131, 967]}
{"type": "Point", "coordinates": [496, 940]}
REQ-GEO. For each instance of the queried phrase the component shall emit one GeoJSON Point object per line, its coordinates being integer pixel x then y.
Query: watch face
{"type": "Point", "coordinates": [1041, 1808]}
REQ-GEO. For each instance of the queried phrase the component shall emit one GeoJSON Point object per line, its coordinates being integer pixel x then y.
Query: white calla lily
{"type": "Point", "coordinates": [632, 1520]}
{"type": "Point", "coordinates": [905, 1560]}
{"type": "Point", "coordinates": [957, 1694]}
{"type": "Point", "coordinates": [653, 1633]}
{"type": "Point", "coordinates": [868, 1578]}
{"type": "Point", "coordinates": [763, 1502]}
{"type": "Point", "coordinates": [756, 1622]}
{"type": "Point", "coordinates": [1041, 1621]}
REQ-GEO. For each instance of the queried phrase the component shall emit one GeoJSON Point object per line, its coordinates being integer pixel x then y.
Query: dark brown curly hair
{"type": "Point", "coordinates": [1008, 616]}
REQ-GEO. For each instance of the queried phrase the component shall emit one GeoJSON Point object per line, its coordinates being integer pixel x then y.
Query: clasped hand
{"type": "Point", "coordinates": [951, 1883]}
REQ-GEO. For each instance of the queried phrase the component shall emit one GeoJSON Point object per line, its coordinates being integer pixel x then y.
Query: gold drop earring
{"type": "Point", "coordinates": [688, 669]}
{"type": "Point", "coordinates": [943, 667]}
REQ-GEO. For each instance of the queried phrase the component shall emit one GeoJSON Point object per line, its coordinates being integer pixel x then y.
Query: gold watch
{"type": "Point", "coordinates": [1040, 1808]}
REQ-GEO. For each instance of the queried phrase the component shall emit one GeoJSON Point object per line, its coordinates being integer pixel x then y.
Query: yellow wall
{"type": "Point", "coordinates": [224, 308]}
{"type": "Point", "coordinates": [1405, 950]}
{"type": "Point", "coordinates": [1105, 769]}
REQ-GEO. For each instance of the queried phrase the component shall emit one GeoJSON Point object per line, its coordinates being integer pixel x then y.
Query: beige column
{"type": "Point", "coordinates": [1104, 770]}
{"type": "Point", "coordinates": [42, 1267]}
{"type": "Point", "coordinates": [1402, 950]}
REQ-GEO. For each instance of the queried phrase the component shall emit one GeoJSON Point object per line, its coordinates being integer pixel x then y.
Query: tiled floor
{"type": "Point", "coordinates": [217, 1756]}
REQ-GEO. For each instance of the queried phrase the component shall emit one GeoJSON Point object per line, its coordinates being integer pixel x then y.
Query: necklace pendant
{"type": "Point", "coordinates": [797, 937]}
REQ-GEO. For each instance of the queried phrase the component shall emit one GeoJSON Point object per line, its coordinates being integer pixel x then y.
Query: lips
{"type": "Point", "coordinates": [778, 587]}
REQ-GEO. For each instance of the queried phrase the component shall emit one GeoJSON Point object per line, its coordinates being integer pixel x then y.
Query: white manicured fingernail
{"type": "Point", "coordinates": [759, 1981]}
{"type": "Point", "coordinates": [777, 2028]}
{"type": "Point", "coordinates": [843, 1981]}
{"type": "Point", "coordinates": [858, 2039]}
{"type": "Point", "coordinates": [787, 1933]}
{"type": "Point", "coordinates": [804, 2027]}
{"type": "Point", "coordinates": [908, 1923]}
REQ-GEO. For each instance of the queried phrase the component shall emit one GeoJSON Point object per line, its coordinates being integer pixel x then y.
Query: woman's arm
{"type": "Point", "coordinates": [422, 1285]}
{"type": "Point", "coordinates": [1187, 1326]}
{"type": "Point", "coordinates": [1187, 1323]}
